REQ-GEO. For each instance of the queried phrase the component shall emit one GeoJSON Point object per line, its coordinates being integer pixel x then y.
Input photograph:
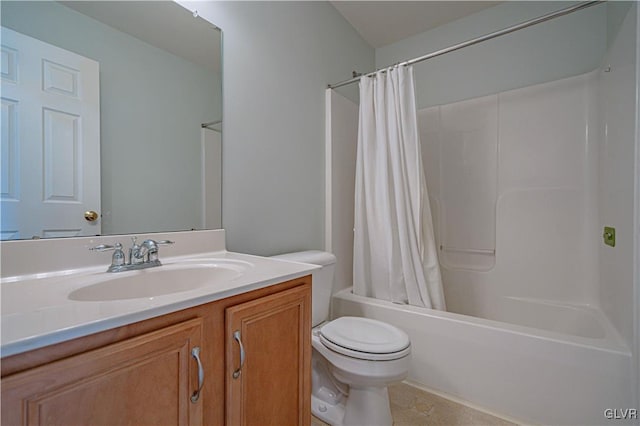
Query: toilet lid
{"type": "Point", "coordinates": [365, 338]}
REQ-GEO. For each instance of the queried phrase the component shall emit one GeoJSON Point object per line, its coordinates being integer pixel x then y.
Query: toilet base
{"type": "Point", "coordinates": [327, 412]}
{"type": "Point", "coordinates": [364, 407]}
{"type": "Point", "coordinates": [368, 406]}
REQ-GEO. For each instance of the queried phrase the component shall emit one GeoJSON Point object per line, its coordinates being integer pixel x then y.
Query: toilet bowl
{"type": "Point", "coordinates": [353, 359]}
{"type": "Point", "coordinates": [366, 358]}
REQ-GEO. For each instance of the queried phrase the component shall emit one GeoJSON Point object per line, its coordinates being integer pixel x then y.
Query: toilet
{"type": "Point", "coordinates": [353, 359]}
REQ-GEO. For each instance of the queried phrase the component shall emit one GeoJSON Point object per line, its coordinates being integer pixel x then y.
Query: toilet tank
{"type": "Point", "coordinates": [322, 285]}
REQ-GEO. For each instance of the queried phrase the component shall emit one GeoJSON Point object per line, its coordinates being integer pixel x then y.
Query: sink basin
{"type": "Point", "coordinates": [158, 281]}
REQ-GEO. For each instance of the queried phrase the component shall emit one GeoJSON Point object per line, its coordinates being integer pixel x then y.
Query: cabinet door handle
{"type": "Point", "coordinates": [237, 338]}
{"type": "Point", "coordinates": [195, 352]}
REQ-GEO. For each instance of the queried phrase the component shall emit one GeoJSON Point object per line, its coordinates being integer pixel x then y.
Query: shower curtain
{"type": "Point", "coordinates": [394, 256]}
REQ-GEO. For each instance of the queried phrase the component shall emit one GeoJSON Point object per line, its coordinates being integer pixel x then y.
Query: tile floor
{"type": "Point", "coordinates": [411, 406]}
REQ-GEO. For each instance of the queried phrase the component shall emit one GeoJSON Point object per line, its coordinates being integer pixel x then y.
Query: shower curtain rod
{"type": "Point", "coordinates": [480, 39]}
{"type": "Point", "coordinates": [211, 123]}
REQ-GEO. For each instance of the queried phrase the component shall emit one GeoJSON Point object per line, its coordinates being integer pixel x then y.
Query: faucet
{"type": "Point", "coordinates": [148, 252]}
{"type": "Point", "coordinates": [140, 256]}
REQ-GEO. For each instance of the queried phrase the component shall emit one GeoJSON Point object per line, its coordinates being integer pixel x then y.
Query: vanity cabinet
{"type": "Point", "coordinates": [145, 373]}
{"type": "Point", "coordinates": [267, 348]}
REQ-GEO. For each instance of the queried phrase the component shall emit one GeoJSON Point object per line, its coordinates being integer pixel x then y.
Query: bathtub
{"type": "Point", "coordinates": [536, 362]}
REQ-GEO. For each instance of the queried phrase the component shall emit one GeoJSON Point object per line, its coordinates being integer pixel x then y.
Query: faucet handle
{"type": "Point", "coordinates": [118, 258]}
{"type": "Point", "coordinates": [135, 256]}
{"type": "Point", "coordinates": [165, 242]}
{"type": "Point", "coordinates": [118, 261]}
{"type": "Point", "coordinates": [102, 247]}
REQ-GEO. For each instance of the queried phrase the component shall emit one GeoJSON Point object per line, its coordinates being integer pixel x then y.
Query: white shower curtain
{"type": "Point", "coordinates": [394, 256]}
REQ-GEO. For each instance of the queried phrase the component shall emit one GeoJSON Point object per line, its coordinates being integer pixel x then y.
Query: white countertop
{"type": "Point", "coordinates": [37, 312]}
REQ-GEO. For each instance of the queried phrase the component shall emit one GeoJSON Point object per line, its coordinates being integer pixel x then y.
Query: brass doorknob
{"type": "Point", "coordinates": [91, 215]}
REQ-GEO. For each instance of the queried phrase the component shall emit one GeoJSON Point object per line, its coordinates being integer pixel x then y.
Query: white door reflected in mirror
{"type": "Point", "coordinates": [50, 140]}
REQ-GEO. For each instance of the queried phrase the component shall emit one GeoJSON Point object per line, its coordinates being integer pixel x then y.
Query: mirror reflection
{"type": "Point", "coordinates": [111, 119]}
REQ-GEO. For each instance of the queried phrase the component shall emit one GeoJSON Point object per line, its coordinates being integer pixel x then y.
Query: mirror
{"type": "Point", "coordinates": [120, 130]}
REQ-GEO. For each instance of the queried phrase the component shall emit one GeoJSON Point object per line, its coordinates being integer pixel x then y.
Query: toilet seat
{"type": "Point", "coordinates": [364, 338]}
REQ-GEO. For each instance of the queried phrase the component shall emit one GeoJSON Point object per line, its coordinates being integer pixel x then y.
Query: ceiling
{"type": "Point", "coordinates": [163, 24]}
{"type": "Point", "coordinates": [379, 22]}
{"type": "Point", "coordinates": [384, 22]}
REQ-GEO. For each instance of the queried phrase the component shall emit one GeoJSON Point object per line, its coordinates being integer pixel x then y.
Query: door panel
{"type": "Point", "coordinates": [273, 387]}
{"type": "Point", "coordinates": [144, 380]}
{"type": "Point", "coordinates": [50, 140]}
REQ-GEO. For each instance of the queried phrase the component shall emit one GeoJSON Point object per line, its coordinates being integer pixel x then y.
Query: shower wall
{"type": "Point", "coordinates": [512, 181]}
{"type": "Point", "coordinates": [618, 110]}
{"type": "Point", "coordinates": [341, 116]}
{"type": "Point", "coordinates": [529, 150]}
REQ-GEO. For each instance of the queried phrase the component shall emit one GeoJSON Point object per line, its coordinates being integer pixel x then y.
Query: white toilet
{"type": "Point", "coordinates": [354, 359]}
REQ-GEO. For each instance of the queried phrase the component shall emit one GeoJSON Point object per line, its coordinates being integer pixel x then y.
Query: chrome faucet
{"type": "Point", "coordinates": [148, 252]}
{"type": "Point", "coordinates": [140, 256]}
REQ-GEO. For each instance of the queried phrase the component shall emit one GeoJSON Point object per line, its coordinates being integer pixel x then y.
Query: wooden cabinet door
{"type": "Point", "coordinates": [273, 387]}
{"type": "Point", "coordinates": [146, 380]}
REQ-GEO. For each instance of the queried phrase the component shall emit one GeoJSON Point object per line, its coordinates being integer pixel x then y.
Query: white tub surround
{"type": "Point", "coordinates": [38, 276]}
{"type": "Point", "coordinates": [512, 184]}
